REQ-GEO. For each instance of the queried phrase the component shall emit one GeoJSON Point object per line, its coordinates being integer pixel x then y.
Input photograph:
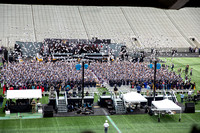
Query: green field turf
{"type": "Point", "coordinates": [125, 123]}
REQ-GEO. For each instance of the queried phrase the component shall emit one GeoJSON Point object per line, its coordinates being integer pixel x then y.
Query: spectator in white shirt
{"type": "Point", "coordinates": [106, 125]}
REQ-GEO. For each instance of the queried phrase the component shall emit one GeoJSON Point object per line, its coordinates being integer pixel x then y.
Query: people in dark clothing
{"type": "Point", "coordinates": [186, 69]}
{"type": "Point", "coordinates": [115, 90]}
{"type": "Point", "coordinates": [138, 88]}
{"type": "Point", "coordinates": [1, 101]}
{"type": "Point", "coordinates": [191, 72]}
{"type": "Point", "coordinates": [172, 67]}
{"type": "Point", "coordinates": [58, 90]}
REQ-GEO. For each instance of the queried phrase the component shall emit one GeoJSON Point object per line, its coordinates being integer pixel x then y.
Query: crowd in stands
{"type": "Point", "coordinates": [64, 76]}
{"type": "Point", "coordinates": [64, 46]}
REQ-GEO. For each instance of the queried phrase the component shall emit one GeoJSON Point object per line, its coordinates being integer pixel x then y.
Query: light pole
{"type": "Point", "coordinates": [156, 66]}
{"type": "Point", "coordinates": [83, 63]}
{"type": "Point", "coordinates": [154, 81]}
{"type": "Point", "coordinates": [78, 67]}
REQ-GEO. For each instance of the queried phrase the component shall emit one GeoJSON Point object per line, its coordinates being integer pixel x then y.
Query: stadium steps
{"type": "Point", "coordinates": [62, 107]}
{"type": "Point", "coordinates": [119, 106]}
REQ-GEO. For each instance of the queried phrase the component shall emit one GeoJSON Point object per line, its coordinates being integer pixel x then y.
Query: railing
{"type": "Point", "coordinates": [56, 99]}
{"type": "Point", "coordinates": [66, 98]}
{"type": "Point", "coordinates": [164, 92]}
{"type": "Point", "coordinates": [121, 96]}
{"type": "Point", "coordinates": [174, 97]}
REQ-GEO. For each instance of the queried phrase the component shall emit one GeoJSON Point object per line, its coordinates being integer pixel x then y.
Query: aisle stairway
{"type": "Point", "coordinates": [62, 106]}
{"type": "Point", "coordinates": [119, 106]}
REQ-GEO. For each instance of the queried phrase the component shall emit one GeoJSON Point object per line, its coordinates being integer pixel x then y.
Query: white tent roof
{"type": "Point", "coordinates": [134, 97]}
{"type": "Point", "coordinates": [24, 94]}
{"type": "Point", "coordinates": [166, 105]}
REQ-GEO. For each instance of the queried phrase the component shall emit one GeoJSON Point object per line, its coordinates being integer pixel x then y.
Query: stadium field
{"type": "Point", "coordinates": [124, 123]}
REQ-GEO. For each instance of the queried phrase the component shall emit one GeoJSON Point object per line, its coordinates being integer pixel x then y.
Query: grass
{"type": "Point", "coordinates": [55, 125]}
{"type": "Point", "coordinates": [126, 123]}
{"type": "Point", "coordinates": [146, 123]}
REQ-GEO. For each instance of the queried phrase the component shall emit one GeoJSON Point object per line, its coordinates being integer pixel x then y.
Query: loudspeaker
{"type": "Point", "coordinates": [189, 108]}
{"type": "Point", "coordinates": [48, 111]}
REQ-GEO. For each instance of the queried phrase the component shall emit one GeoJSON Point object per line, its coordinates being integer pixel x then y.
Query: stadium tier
{"type": "Point", "coordinates": [137, 27]}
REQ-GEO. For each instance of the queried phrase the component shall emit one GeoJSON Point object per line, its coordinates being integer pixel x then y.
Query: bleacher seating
{"type": "Point", "coordinates": [151, 27]}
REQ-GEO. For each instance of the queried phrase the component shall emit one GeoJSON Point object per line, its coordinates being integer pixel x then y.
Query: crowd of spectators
{"type": "Point", "coordinates": [41, 75]}
{"type": "Point", "coordinates": [139, 75]}
{"type": "Point", "coordinates": [65, 46]}
{"type": "Point", "coordinates": [64, 76]}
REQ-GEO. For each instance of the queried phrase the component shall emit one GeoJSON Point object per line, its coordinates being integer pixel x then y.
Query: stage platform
{"type": "Point", "coordinates": [127, 88]}
{"type": "Point", "coordinates": [98, 111]}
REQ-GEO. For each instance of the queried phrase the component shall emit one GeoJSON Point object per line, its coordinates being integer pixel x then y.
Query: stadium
{"type": "Point", "coordinates": [94, 66]}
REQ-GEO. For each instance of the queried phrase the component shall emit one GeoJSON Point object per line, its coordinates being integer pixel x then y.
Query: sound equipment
{"type": "Point", "coordinates": [48, 111]}
{"type": "Point", "coordinates": [79, 111]}
{"type": "Point", "coordinates": [52, 102]}
{"type": "Point", "coordinates": [112, 112]}
{"type": "Point", "coordinates": [189, 108]}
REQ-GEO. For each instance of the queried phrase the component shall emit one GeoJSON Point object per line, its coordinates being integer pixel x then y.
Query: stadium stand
{"type": "Point", "coordinates": [33, 23]}
{"type": "Point", "coordinates": [186, 21]}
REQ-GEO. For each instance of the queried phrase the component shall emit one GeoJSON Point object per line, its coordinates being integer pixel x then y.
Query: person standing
{"type": "Point", "coordinates": [58, 90]}
{"type": "Point", "coordinates": [199, 51]}
{"type": "Point", "coordinates": [172, 67]}
{"type": "Point", "coordinates": [138, 88]}
{"type": "Point", "coordinates": [33, 103]}
{"type": "Point", "coordinates": [191, 72]}
{"type": "Point", "coordinates": [182, 97]}
{"type": "Point", "coordinates": [106, 126]}
{"type": "Point", "coordinates": [1, 101]}
{"type": "Point", "coordinates": [116, 90]}
{"type": "Point", "coordinates": [190, 95]}
{"type": "Point", "coordinates": [186, 69]}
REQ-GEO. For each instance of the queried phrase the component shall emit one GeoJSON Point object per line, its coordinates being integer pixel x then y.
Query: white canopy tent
{"type": "Point", "coordinates": [24, 94]}
{"type": "Point", "coordinates": [134, 97]}
{"type": "Point", "coordinates": [167, 106]}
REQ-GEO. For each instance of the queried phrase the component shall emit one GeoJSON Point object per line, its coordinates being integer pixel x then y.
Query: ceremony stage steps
{"type": "Point", "coordinates": [62, 107]}
{"type": "Point", "coordinates": [119, 106]}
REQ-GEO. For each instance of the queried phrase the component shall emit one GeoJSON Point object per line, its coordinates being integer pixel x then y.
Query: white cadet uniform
{"type": "Point", "coordinates": [106, 125]}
